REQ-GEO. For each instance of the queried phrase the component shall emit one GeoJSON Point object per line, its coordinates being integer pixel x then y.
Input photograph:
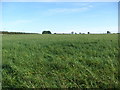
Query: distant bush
{"type": "Point", "coordinates": [46, 32]}
{"type": "Point", "coordinates": [72, 32]}
{"type": "Point", "coordinates": [108, 32]}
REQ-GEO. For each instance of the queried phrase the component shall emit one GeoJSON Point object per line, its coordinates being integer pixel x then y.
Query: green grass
{"type": "Point", "coordinates": [60, 61]}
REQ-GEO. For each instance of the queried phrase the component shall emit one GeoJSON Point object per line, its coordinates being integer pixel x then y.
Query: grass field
{"type": "Point", "coordinates": [60, 61]}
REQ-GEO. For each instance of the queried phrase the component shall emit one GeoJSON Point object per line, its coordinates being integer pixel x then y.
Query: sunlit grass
{"type": "Point", "coordinates": [60, 61]}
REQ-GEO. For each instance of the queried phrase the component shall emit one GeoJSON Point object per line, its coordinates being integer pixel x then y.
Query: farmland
{"type": "Point", "coordinates": [60, 61]}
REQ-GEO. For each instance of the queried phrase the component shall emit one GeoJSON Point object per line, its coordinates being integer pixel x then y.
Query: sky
{"type": "Point", "coordinates": [60, 17]}
{"type": "Point", "coordinates": [60, 0]}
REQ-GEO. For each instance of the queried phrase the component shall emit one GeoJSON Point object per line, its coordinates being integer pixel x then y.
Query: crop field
{"type": "Point", "coordinates": [60, 61]}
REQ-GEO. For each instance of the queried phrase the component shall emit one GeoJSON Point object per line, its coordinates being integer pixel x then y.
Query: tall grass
{"type": "Point", "coordinates": [60, 61]}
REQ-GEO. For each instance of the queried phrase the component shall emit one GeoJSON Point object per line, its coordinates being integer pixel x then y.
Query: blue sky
{"type": "Point", "coordinates": [60, 17]}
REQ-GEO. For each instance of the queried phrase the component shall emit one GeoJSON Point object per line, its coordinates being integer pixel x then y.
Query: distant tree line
{"type": "Point", "coordinates": [44, 32]}
{"type": "Point", "coordinates": [6, 32]}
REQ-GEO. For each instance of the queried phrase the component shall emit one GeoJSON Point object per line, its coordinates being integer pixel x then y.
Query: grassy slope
{"type": "Point", "coordinates": [60, 61]}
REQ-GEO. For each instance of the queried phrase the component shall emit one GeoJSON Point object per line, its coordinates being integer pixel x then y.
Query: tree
{"type": "Point", "coordinates": [72, 32]}
{"type": "Point", "coordinates": [88, 32]}
{"type": "Point", "coordinates": [108, 32]}
{"type": "Point", "coordinates": [46, 32]}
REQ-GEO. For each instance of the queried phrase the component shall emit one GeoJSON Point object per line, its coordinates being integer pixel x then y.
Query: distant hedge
{"type": "Point", "coordinates": [6, 32]}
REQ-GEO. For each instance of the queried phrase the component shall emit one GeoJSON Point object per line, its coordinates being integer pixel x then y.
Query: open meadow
{"type": "Point", "coordinates": [60, 61]}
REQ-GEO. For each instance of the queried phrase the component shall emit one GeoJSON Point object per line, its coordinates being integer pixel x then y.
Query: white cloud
{"type": "Point", "coordinates": [8, 26]}
{"type": "Point", "coordinates": [17, 22]}
{"type": "Point", "coordinates": [69, 10]}
{"type": "Point", "coordinates": [61, 10]}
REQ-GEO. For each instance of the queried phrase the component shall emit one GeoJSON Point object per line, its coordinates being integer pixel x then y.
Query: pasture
{"type": "Point", "coordinates": [60, 61]}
